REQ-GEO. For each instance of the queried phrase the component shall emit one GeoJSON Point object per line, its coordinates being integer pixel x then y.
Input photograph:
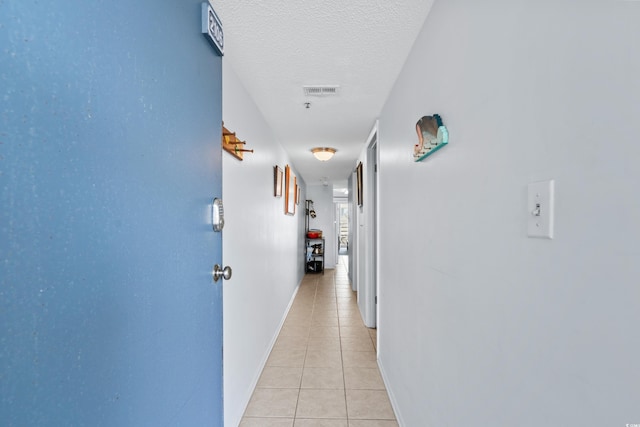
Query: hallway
{"type": "Point", "coordinates": [322, 371]}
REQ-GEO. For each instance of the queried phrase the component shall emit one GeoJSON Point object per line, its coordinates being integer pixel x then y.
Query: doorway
{"type": "Point", "coordinates": [367, 235]}
{"type": "Point", "coordinates": [342, 216]}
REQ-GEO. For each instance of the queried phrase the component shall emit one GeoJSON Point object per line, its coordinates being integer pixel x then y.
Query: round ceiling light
{"type": "Point", "coordinates": [323, 153]}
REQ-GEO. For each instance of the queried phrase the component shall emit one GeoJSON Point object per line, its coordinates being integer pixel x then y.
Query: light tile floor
{"type": "Point", "coordinates": [322, 370]}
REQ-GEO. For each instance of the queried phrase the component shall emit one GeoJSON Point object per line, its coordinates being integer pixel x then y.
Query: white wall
{"type": "Point", "coordinates": [264, 247]}
{"type": "Point", "coordinates": [322, 197]}
{"type": "Point", "coordinates": [480, 325]}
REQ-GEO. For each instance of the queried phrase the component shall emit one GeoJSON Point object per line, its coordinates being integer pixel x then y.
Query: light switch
{"type": "Point", "coordinates": [540, 209]}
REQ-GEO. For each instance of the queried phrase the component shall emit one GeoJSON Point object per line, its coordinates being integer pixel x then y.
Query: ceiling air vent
{"type": "Point", "coordinates": [324, 90]}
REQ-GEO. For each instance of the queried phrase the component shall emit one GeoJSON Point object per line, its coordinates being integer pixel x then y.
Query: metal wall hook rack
{"type": "Point", "coordinates": [309, 212]}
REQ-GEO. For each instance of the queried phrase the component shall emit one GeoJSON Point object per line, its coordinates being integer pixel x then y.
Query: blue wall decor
{"type": "Point", "coordinates": [432, 136]}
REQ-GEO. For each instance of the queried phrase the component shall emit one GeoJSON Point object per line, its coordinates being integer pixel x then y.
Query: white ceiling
{"type": "Point", "coordinates": [276, 47]}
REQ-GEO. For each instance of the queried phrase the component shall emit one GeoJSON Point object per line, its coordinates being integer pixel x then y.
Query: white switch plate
{"type": "Point", "coordinates": [540, 209]}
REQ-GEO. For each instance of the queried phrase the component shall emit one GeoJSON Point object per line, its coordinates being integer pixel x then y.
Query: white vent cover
{"type": "Point", "coordinates": [322, 90]}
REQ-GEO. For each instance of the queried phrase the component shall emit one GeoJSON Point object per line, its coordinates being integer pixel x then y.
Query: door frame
{"type": "Point", "coordinates": [367, 230]}
{"type": "Point", "coordinates": [352, 250]}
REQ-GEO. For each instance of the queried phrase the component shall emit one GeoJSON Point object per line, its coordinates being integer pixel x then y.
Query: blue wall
{"type": "Point", "coordinates": [109, 154]}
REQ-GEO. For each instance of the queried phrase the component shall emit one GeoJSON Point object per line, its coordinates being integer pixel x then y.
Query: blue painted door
{"type": "Point", "coordinates": [110, 126]}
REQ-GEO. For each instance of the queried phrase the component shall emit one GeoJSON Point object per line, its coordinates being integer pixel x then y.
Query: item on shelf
{"type": "Point", "coordinates": [314, 255]}
{"type": "Point", "coordinates": [314, 234]}
{"type": "Point", "coordinates": [432, 136]}
{"type": "Point", "coordinates": [314, 267]}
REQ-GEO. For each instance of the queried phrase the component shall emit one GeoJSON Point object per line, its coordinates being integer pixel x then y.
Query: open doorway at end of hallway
{"type": "Point", "coordinates": [343, 227]}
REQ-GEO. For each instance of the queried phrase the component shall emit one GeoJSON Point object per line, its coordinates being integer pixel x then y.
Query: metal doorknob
{"type": "Point", "coordinates": [219, 272]}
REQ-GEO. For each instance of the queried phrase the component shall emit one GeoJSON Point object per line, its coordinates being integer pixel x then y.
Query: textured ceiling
{"type": "Point", "coordinates": [277, 47]}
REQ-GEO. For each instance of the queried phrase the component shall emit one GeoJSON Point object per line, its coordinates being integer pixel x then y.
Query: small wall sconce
{"type": "Point", "coordinates": [323, 153]}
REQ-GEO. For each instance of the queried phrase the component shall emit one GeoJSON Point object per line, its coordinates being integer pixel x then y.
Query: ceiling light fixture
{"type": "Point", "coordinates": [323, 153]}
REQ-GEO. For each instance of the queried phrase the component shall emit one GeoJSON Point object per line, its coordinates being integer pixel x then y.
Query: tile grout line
{"type": "Point", "coordinates": [306, 352]}
{"type": "Point", "coordinates": [344, 380]}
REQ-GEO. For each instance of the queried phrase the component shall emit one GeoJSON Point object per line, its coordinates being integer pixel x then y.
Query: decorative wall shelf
{"type": "Point", "coordinates": [432, 136]}
{"type": "Point", "coordinates": [232, 145]}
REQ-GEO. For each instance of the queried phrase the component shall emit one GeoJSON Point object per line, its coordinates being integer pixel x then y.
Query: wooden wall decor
{"type": "Point", "coordinates": [232, 145]}
{"type": "Point", "coordinates": [360, 183]}
{"type": "Point", "coordinates": [277, 181]}
{"type": "Point", "coordinates": [289, 191]}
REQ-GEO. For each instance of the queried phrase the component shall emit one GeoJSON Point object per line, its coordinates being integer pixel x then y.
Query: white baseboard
{"type": "Point", "coordinates": [265, 357]}
{"type": "Point", "coordinates": [394, 402]}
